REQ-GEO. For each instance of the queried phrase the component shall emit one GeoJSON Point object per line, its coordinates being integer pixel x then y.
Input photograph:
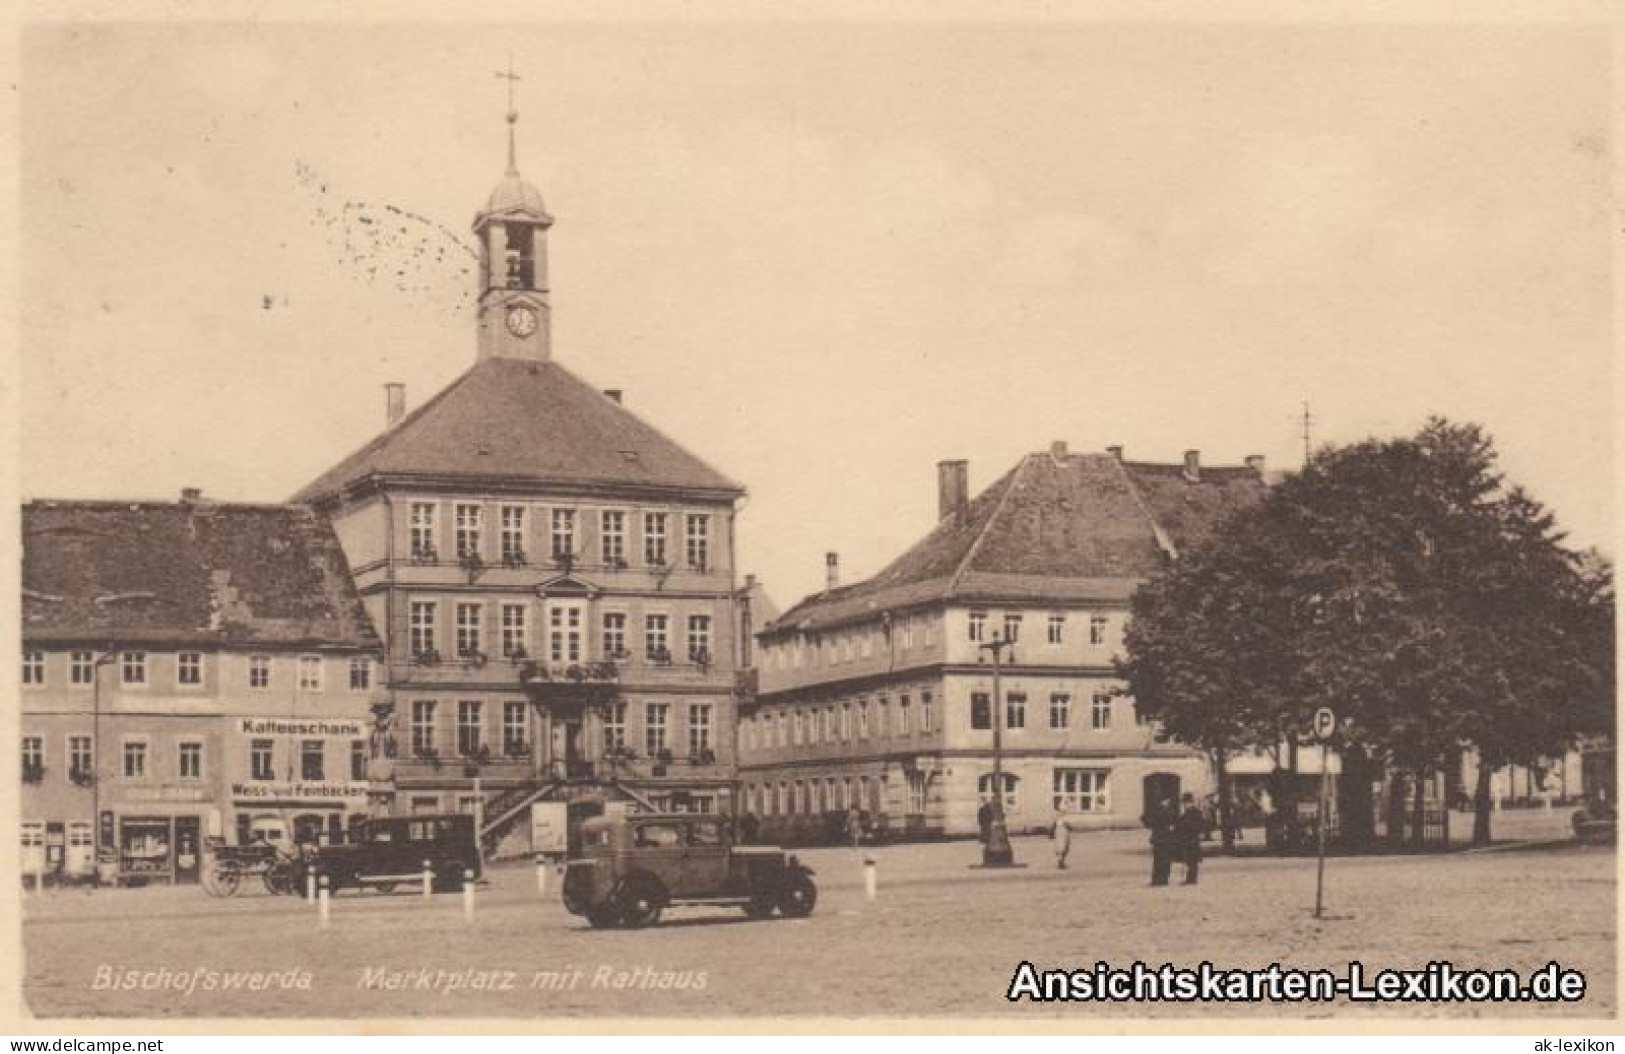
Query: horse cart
{"type": "Point", "coordinates": [227, 867]}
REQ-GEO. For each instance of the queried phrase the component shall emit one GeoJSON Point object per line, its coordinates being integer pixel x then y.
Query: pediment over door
{"type": "Point", "coordinates": [567, 587]}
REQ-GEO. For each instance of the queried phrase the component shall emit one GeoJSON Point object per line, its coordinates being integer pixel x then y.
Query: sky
{"type": "Point", "coordinates": [823, 255]}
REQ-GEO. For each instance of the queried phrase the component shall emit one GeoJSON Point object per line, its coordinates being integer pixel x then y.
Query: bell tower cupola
{"type": "Point", "coordinates": [514, 304]}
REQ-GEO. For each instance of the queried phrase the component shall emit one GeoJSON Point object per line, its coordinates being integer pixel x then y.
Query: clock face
{"type": "Point", "coordinates": [521, 321]}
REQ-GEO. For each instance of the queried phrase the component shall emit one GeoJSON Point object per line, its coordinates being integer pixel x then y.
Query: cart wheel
{"type": "Point", "coordinates": [227, 879]}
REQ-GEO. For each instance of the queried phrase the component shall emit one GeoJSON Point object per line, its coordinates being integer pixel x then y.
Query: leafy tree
{"type": "Point", "coordinates": [1401, 583]}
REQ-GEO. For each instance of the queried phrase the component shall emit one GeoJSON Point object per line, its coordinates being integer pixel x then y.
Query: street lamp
{"type": "Point", "coordinates": [997, 851]}
{"type": "Point", "coordinates": [106, 658]}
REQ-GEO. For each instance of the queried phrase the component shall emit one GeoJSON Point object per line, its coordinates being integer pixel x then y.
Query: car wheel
{"type": "Point", "coordinates": [641, 902]}
{"type": "Point", "coordinates": [797, 896]}
{"type": "Point", "coordinates": [602, 918]}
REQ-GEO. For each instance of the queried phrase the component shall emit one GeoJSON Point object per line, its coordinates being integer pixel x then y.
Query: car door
{"type": "Point", "coordinates": [705, 865]}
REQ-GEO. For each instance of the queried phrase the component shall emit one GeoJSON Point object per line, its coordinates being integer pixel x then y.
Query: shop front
{"type": "Point", "coordinates": [297, 781]}
{"type": "Point", "coordinates": [156, 835]}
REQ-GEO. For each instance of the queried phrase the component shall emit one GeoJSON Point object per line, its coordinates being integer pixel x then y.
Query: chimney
{"type": "Point", "coordinates": [191, 495]}
{"type": "Point", "coordinates": [1115, 451]}
{"type": "Point", "coordinates": [1057, 449]}
{"type": "Point", "coordinates": [1193, 466]}
{"type": "Point", "coordinates": [394, 403]}
{"type": "Point", "coordinates": [832, 571]}
{"type": "Point", "coordinates": [1256, 463]}
{"type": "Point", "coordinates": [613, 395]}
{"type": "Point", "coordinates": [953, 491]}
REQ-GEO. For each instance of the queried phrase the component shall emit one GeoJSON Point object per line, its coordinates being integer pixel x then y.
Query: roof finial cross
{"type": "Point", "coordinates": [513, 114]}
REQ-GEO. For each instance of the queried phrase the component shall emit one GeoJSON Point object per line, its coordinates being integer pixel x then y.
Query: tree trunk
{"type": "Point", "coordinates": [1396, 807]}
{"type": "Point", "coordinates": [1483, 804]}
{"type": "Point", "coordinates": [1356, 818]}
{"type": "Point", "coordinates": [1227, 825]}
{"type": "Point", "coordinates": [1418, 806]}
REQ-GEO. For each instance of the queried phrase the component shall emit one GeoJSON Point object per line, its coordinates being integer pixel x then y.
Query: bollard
{"type": "Point", "coordinates": [310, 884]}
{"type": "Point", "coordinates": [428, 878]}
{"type": "Point", "coordinates": [869, 878]}
{"type": "Point", "coordinates": [468, 894]}
{"type": "Point", "coordinates": [541, 877]}
{"type": "Point", "coordinates": [323, 910]}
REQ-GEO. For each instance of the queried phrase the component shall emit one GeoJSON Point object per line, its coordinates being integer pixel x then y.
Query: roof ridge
{"type": "Point", "coordinates": [1165, 543]}
{"type": "Point", "coordinates": [987, 526]}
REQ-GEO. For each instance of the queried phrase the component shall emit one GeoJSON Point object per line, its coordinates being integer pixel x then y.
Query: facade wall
{"type": "Point", "coordinates": [870, 648]}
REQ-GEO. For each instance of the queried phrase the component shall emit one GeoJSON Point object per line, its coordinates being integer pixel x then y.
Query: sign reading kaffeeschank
{"type": "Point", "coordinates": [276, 726]}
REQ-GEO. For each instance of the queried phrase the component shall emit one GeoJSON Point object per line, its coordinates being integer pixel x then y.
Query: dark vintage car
{"type": "Point", "coordinates": [387, 850]}
{"type": "Point", "coordinates": [633, 867]}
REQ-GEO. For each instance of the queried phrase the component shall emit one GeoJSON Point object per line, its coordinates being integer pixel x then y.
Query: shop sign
{"type": "Point", "coordinates": [298, 790]}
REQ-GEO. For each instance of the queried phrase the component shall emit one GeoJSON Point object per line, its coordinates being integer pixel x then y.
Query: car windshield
{"type": "Point", "coordinates": [657, 835]}
{"type": "Point", "coordinates": [705, 834]}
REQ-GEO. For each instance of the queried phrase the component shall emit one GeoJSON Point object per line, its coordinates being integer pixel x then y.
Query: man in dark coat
{"type": "Point", "coordinates": [984, 821]}
{"type": "Point", "coordinates": [1162, 818]}
{"type": "Point", "coordinates": [1188, 837]}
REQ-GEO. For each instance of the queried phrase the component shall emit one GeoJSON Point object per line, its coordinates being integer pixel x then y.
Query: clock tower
{"type": "Point", "coordinates": [513, 295]}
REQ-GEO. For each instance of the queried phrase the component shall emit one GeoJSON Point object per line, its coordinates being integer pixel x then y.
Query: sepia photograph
{"type": "Point", "coordinates": [1049, 517]}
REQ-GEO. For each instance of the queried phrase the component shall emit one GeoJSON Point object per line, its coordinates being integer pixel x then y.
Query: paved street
{"type": "Point", "coordinates": [941, 939]}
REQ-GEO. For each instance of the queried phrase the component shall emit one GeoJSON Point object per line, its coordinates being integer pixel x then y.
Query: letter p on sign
{"type": "Point", "coordinates": [1325, 723]}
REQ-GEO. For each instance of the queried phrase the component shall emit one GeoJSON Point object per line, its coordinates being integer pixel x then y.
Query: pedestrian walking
{"type": "Point", "coordinates": [1189, 829]}
{"type": "Point", "coordinates": [749, 828]}
{"type": "Point", "coordinates": [1161, 818]}
{"type": "Point", "coordinates": [984, 821]}
{"type": "Point", "coordinates": [854, 827]}
{"type": "Point", "coordinates": [1060, 839]}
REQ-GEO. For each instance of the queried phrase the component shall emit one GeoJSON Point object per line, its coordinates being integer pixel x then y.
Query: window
{"type": "Point", "coordinates": [515, 634]}
{"type": "Point", "coordinates": [189, 668]}
{"type": "Point", "coordinates": [310, 673]}
{"type": "Point", "coordinates": [79, 835]}
{"type": "Point", "coordinates": [981, 711]}
{"type": "Point", "coordinates": [656, 641]}
{"type": "Point", "coordinates": [82, 668]}
{"type": "Point", "coordinates": [916, 793]}
{"type": "Point", "coordinates": [312, 760]}
{"type": "Point", "coordinates": [882, 717]}
{"type": "Point", "coordinates": [782, 735]}
{"type": "Point", "coordinates": [564, 533]}
{"type": "Point", "coordinates": [846, 722]}
{"type": "Point", "coordinates": [1015, 710]}
{"type": "Point", "coordinates": [564, 633]}
{"type": "Point", "coordinates": [34, 667]}
{"type": "Point", "coordinates": [615, 634]}
{"type": "Point", "coordinates": [798, 723]}
{"type": "Point", "coordinates": [697, 541]}
{"type": "Point", "coordinates": [421, 628]}
{"type": "Point", "coordinates": [863, 718]}
{"type": "Point", "coordinates": [1097, 629]}
{"type": "Point", "coordinates": [33, 754]}
{"type": "Point", "coordinates": [515, 730]}
{"type": "Point", "coordinates": [423, 547]}
{"type": "Point", "coordinates": [259, 671]}
{"type": "Point", "coordinates": [470, 623]}
{"type": "Point", "coordinates": [80, 758]}
{"type": "Point", "coordinates": [654, 727]}
{"type": "Point", "coordinates": [466, 531]}
{"type": "Point", "coordinates": [360, 673]}
{"type": "Point", "coordinates": [135, 759]}
{"type": "Point", "coordinates": [470, 727]}
{"type": "Point", "coordinates": [423, 731]}
{"type": "Point", "coordinates": [190, 758]}
{"type": "Point", "coordinates": [699, 729]}
{"type": "Point", "coordinates": [133, 667]}
{"type": "Point", "coordinates": [927, 713]}
{"type": "Point", "coordinates": [1012, 628]}
{"type": "Point", "coordinates": [699, 639]}
{"type": "Point", "coordinates": [1100, 712]}
{"type": "Point", "coordinates": [513, 534]}
{"type": "Point", "coordinates": [903, 716]}
{"type": "Point", "coordinates": [612, 537]}
{"type": "Point", "coordinates": [1081, 790]}
{"type": "Point", "coordinates": [260, 763]}
{"type": "Point", "coordinates": [654, 538]}
{"type": "Point", "coordinates": [984, 789]}
{"type": "Point", "coordinates": [1060, 710]}
{"type": "Point", "coordinates": [1057, 629]}
{"type": "Point", "coordinates": [358, 760]}
{"type": "Point", "coordinates": [615, 726]}
{"type": "Point", "coordinates": [976, 628]}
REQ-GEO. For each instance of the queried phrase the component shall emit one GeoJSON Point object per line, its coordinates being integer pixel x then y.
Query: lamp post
{"type": "Point", "coordinates": [997, 851]}
{"type": "Point", "coordinates": [106, 658]}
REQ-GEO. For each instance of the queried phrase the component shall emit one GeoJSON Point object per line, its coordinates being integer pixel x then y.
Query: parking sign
{"type": "Point", "coordinates": [1325, 723]}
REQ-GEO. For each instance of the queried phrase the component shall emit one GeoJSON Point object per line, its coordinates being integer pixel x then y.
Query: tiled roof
{"type": "Point", "coordinates": [518, 420]}
{"type": "Point", "coordinates": [1057, 527]}
{"type": "Point", "coordinates": [189, 572]}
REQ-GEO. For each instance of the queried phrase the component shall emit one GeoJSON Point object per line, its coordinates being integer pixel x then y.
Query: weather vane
{"type": "Point", "coordinates": [513, 115]}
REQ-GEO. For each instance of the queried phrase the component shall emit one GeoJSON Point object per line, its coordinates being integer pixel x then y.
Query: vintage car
{"type": "Point", "coordinates": [387, 850]}
{"type": "Point", "coordinates": [634, 866]}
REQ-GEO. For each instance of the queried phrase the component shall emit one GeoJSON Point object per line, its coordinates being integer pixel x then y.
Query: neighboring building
{"type": "Point", "coordinates": [878, 695]}
{"type": "Point", "coordinates": [554, 579]}
{"type": "Point", "coordinates": [189, 670]}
